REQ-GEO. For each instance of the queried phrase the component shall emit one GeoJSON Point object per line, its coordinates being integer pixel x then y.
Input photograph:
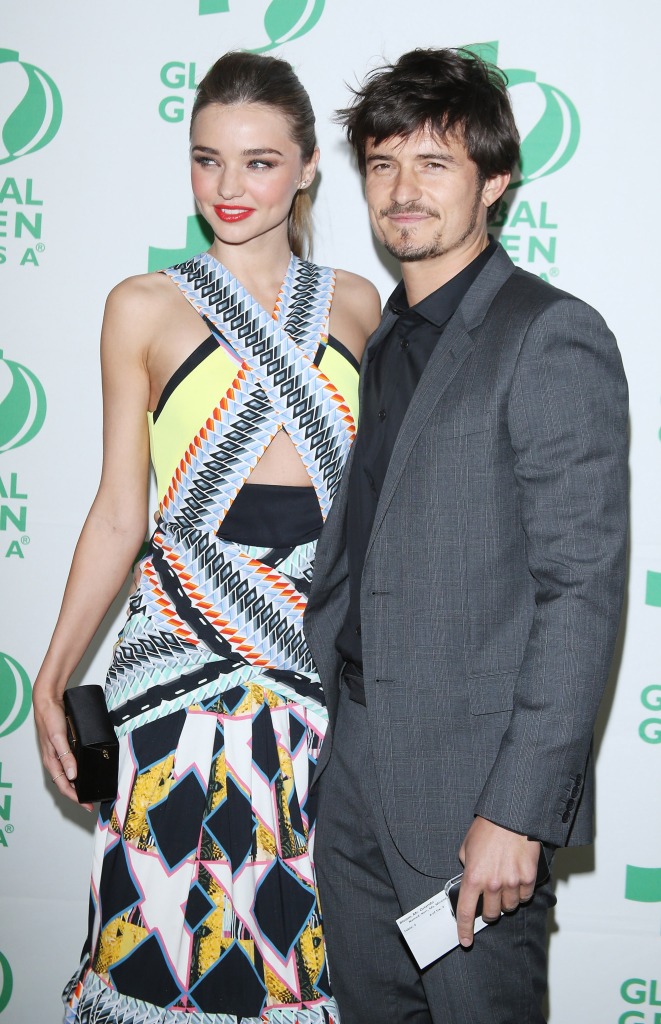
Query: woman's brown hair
{"type": "Point", "coordinates": [249, 78]}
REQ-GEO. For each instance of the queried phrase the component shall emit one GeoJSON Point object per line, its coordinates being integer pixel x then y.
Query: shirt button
{"type": "Point", "coordinates": [382, 414]}
{"type": "Point", "coordinates": [404, 343]}
{"type": "Point", "coordinates": [357, 630]}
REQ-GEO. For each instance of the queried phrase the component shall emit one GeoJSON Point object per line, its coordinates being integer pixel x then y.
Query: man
{"type": "Point", "coordinates": [469, 579]}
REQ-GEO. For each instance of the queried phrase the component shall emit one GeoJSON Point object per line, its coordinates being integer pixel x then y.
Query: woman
{"type": "Point", "coordinates": [203, 893]}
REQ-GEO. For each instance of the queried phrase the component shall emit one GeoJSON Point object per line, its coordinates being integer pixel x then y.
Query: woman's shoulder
{"type": "Point", "coordinates": [355, 312]}
{"type": "Point", "coordinates": [145, 301]}
{"type": "Point", "coordinates": [353, 287]}
{"type": "Point", "coordinates": [357, 298]}
{"type": "Point", "coordinates": [152, 289]}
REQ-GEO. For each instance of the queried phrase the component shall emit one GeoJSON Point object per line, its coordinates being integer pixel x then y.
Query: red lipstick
{"type": "Point", "coordinates": [229, 214]}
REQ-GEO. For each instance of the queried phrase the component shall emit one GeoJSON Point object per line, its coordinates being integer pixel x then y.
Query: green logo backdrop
{"type": "Point", "coordinates": [6, 982]}
{"type": "Point", "coordinates": [15, 694]}
{"type": "Point", "coordinates": [199, 237]}
{"type": "Point", "coordinates": [284, 20]}
{"type": "Point", "coordinates": [643, 885]}
{"type": "Point", "coordinates": [553, 139]}
{"type": "Point", "coordinates": [22, 404]}
{"type": "Point", "coordinates": [35, 120]}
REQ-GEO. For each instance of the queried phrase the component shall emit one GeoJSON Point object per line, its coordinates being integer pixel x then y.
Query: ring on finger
{"type": "Point", "coordinates": [63, 754]}
{"type": "Point", "coordinates": [56, 777]}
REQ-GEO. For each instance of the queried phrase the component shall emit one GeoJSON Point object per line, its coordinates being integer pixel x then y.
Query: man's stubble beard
{"type": "Point", "coordinates": [407, 253]}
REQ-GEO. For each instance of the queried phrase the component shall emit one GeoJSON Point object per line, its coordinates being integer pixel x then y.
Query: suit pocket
{"type": "Point", "coordinates": [462, 424]}
{"type": "Point", "coordinates": [488, 694]}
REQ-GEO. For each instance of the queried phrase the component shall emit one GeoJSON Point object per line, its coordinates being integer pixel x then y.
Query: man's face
{"type": "Point", "coordinates": [425, 196]}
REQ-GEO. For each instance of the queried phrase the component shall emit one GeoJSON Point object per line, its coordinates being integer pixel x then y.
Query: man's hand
{"type": "Point", "coordinates": [499, 865]}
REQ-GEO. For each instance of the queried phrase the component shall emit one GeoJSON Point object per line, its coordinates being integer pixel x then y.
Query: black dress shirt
{"type": "Point", "coordinates": [393, 370]}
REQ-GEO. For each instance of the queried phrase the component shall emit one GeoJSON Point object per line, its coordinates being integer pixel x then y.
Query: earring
{"type": "Point", "coordinates": [303, 184]}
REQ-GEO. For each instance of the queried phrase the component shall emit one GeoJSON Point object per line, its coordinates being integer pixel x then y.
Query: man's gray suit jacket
{"type": "Point", "coordinates": [494, 575]}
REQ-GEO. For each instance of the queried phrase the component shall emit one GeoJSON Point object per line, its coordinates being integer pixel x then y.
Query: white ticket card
{"type": "Point", "coordinates": [431, 929]}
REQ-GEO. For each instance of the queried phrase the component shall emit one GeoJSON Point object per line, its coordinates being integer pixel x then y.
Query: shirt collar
{"type": "Point", "coordinates": [440, 305]}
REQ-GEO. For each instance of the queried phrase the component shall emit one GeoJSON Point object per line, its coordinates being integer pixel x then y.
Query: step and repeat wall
{"type": "Point", "coordinates": [94, 108]}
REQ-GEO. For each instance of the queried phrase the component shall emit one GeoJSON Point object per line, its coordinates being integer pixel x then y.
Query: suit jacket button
{"type": "Point", "coordinates": [566, 816]}
{"type": "Point", "coordinates": [578, 780]}
{"type": "Point", "coordinates": [575, 791]}
{"type": "Point", "coordinates": [570, 805]}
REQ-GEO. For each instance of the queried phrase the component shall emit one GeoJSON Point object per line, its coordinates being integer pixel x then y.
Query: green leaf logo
{"type": "Point", "coordinates": [30, 109]}
{"type": "Point", "coordinates": [199, 237]}
{"type": "Point", "coordinates": [15, 695]}
{"type": "Point", "coordinates": [288, 19]}
{"type": "Point", "coordinates": [6, 982]}
{"type": "Point", "coordinates": [553, 138]}
{"type": "Point", "coordinates": [22, 404]}
{"type": "Point", "coordinates": [548, 120]}
{"type": "Point", "coordinates": [284, 20]}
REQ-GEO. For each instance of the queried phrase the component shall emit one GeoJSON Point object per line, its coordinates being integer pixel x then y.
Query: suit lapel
{"type": "Point", "coordinates": [451, 351]}
{"type": "Point", "coordinates": [453, 348]}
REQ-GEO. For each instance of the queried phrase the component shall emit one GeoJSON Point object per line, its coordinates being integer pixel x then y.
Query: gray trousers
{"type": "Point", "coordinates": [365, 884]}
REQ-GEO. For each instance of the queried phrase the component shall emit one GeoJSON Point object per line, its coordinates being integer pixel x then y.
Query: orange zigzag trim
{"type": "Point", "coordinates": [167, 609]}
{"type": "Point", "coordinates": [186, 461]}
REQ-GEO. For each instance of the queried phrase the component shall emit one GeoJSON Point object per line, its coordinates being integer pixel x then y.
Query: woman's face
{"type": "Point", "coordinates": [245, 170]}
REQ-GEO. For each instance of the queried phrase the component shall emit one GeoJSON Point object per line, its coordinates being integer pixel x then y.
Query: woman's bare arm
{"type": "Point", "coordinates": [115, 526]}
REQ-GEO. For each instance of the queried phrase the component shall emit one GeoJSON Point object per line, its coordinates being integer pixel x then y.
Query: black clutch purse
{"type": "Point", "coordinates": [93, 743]}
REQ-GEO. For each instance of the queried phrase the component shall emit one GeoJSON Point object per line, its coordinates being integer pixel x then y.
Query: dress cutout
{"type": "Point", "coordinates": [203, 898]}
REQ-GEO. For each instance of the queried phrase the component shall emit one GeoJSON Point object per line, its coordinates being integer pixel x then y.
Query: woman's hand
{"type": "Point", "coordinates": [59, 762]}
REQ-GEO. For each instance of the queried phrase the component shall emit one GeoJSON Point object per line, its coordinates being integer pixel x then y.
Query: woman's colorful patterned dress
{"type": "Point", "coordinates": [203, 900]}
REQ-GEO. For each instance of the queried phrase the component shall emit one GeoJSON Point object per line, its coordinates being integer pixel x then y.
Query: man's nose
{"type": "Point", "coordinates": [406, 188]}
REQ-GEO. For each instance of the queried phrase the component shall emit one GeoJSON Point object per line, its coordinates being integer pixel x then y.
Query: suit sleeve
{"type": "Point", "coordinates": [568, 426]}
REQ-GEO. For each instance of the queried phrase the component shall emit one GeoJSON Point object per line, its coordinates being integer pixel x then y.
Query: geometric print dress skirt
{"type": "Point", "coordinates": [213, 847]}
{"type": "Point", "coordinates": [203, 905]}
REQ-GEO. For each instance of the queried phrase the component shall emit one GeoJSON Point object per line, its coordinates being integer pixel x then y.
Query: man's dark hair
{"type": "Point", "coordinates": [453, 92]}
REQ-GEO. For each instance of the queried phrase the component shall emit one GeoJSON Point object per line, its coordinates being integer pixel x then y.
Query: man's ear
{"type": "Point", "coordinates": [494, 187]}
